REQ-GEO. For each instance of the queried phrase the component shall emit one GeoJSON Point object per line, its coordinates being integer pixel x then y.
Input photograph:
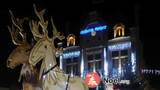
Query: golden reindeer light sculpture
{"type": "Point", "coordinates": [20, 55]}
{"type": "Point", "coordinates": [53, 78]}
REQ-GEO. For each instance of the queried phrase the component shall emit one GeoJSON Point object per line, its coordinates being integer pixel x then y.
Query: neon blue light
{"type": "Point", "coordinates": [86, 31]}
{"type": "Point", "coordinates": [82, 64]}
{"type": "Point", "coordinates": [98, 28]}
{"type": "Point", "coordinates": [120, 46]}
{"type": "Point", "coordinates": [61, 62]}
{"type": "Point", "coordinates": [105, 63]}
{"type": "Point", "coordinates": [71, 54]}
{"type": "Point", "coordinates": [133, 61]}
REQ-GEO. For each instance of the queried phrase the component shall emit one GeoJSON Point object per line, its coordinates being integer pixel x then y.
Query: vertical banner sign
{"type": "Point", "coordinates": [92, 80]}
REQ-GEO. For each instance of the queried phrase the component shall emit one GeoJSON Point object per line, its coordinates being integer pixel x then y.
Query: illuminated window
{"type": "Point", "coordinates": [98, 65]}
{"type": "Point", "coordinates": [94, 62]}
{"type": "Point", "coordinates": [90, 66]}
{"type": "Point", "coordinates": [68, 60]}
{"type": "Point", "coordinates": [97, 56]}
{"type": "Point", "coordinates": [115, 53]}
{"type": "Point", "coordinates": [75, 59]}
{"type": "Point", "coordinates": [72, 64]}
{"type": "Point", "coordinates": [68, 69]}
{"type": "Point", "coordinates": [72, 67]}
{"type": "Point", "coordinates": [124, 52]}
{"type": "Point", "coordinates": [75, 69]}
{"type": "Point", "coordinates": [115, 63]}
{"type": "Point", "coordinates": [120, 63]}
{"type": "Point", "coordinates": [71, 39]}
{"type": "Point", "coordinates": [118, 30]}
{"type": "Point", "coordinates": [90, 57]}
{"type": "Point", "coordinates": [125, 67]}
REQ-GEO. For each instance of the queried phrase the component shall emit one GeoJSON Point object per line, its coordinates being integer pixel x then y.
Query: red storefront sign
{"type": "Point", "coordinates": [92, 80]}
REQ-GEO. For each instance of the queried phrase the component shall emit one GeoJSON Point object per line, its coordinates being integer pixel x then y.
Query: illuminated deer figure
{"type": "Point", "coordinates": [20, 55]}
{"type": "Point", "coordinates": [53, 77]}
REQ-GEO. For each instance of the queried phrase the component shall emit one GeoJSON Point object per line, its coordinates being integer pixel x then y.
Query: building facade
{"type": "Point", "coordinates": [111, 58]}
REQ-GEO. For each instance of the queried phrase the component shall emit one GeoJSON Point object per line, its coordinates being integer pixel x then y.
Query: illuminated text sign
{"type": "Point", "coordinates": [99, 28]}
{"type": "Point", "coordinates": [93, 27]}
{"type": "Point", "coordinates": [71, 54]}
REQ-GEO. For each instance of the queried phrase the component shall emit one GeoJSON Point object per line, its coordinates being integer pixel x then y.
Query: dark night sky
{"type": "Point", "coordinates": [74, 13]}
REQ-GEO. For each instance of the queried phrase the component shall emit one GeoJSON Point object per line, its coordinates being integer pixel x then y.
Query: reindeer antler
{"type": "Point", "coordinates": [34, 25]}
{"type": "Point", "coordinates": [56, 34]}
{"type": "Point", "coordinates": [53, 26]}
{"type": "Point", "coordinates": [17, 22]}
{"type": "Point", "coordinates": [42, 23]}
{"type": "Point", "coordinates": [34, 29]}
{"type": "Point", "coordinates": [19, 30]}
{"type": "Point", "coordinates": [14, 33]}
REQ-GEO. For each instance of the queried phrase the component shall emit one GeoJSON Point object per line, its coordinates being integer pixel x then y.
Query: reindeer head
{"type": "Point", "coordinates": [44, 46]}
{"type": "Point", "coordinates": [21, 53]}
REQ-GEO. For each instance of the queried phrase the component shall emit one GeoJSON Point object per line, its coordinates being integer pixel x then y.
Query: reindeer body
{"type": "Point", "coordinates": [20, 56]}
{"type": "Point", "coordinates": [52, 77]}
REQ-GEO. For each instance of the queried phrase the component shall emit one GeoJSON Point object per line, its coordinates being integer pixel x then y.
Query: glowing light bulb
{"type": "Point", "coordinates": [44, 76]}
{"type": "Point", "coordinates": [50, 65]}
